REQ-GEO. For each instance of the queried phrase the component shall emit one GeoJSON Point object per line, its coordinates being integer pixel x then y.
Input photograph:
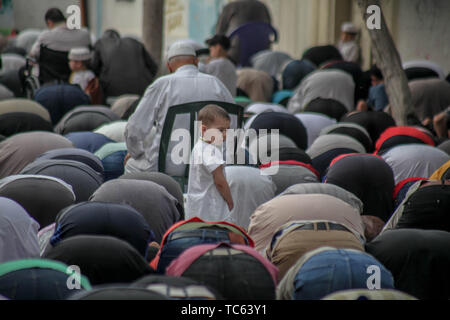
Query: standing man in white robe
{"type": "Point", "coordinates": [348, 47]}
{"type": "Point", "coordinates": [184, 84]}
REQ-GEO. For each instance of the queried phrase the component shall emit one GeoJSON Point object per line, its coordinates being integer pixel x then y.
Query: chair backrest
{"type": "Point", "coordinates": [53, 65]}
{"type": "Point", "coordinates": [253, 37]}
{"type": "Point", "coordinates": [183, 117]}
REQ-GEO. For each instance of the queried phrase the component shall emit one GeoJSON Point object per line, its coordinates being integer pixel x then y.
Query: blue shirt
{"type": "Point", "coordinates": [378, 98]}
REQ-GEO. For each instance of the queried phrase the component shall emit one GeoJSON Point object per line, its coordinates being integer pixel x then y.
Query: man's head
{"type": "Point", "coordinates": [180, 53]}
{"type": "Point", "coordinates": [111, 33]}
{"type": "Point", "coordinates": [53, 17]}
{"type": "Point", "coordinates": [348, 32]}
{"type": "Point", "coordinates": [375, 75]}
{"type": "Point", "coordinates": [215, 122]}
{"type": "Point", "coordinates": [218, 46]}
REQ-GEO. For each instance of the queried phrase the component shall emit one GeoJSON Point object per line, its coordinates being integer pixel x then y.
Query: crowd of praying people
{"type": "Point", "coordinates": [357, 208]}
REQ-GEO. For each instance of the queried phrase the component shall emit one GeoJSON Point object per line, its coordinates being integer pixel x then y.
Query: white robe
{"type": "Point", "coordinates": [144, 128]}
{"type": "Point", "coordinates": [349, 51]}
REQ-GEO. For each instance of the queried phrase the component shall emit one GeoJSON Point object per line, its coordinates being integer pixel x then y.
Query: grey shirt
{"type": "Point", "coordinates": [61, 38]}
{"type": "Point", "coordinates": [224, 70]}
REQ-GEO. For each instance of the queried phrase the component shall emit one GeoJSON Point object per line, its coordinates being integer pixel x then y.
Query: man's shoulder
{"type": "Point", "coordinates": [45, 34]}
{"type": "Point", "coordinates": [223, 62]}
{"type": "Point", "coordinates": [162, 81]}
{"type": "Point", "coordinates": [187, 75]}
{"type": "Point", "coordinates": [64, 33]}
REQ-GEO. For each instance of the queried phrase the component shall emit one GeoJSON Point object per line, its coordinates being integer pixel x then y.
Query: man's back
{"type": "Point", "coordinates": [123, 66]}
{"type": "Point", "coordinates": [143, 133]}
{"type": "Point", "coordinates": [61, 38]}
{"type": "Point", "coordinates": [224, 70]}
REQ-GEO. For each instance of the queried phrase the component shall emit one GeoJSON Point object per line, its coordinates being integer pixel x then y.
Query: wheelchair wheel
{"type": "Point", "coordinates": [31, 85]}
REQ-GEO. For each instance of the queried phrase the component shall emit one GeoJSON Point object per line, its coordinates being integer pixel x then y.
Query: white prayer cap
{"type": "Point", "coordinates": [79, 54]}
{"type": "Point", "coordinates": [181, 48]}
{"type": "Point", "coordinates": [348, 27]}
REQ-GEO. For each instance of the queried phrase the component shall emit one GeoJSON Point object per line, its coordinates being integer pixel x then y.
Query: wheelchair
{"type": "Point", "coordinates": [53, 69]}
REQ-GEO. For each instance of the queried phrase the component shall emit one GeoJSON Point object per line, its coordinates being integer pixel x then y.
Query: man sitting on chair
{"type": "Point", "coordinates": [59, 37]}
{"type": "Point", "coordinates": [185, 84]}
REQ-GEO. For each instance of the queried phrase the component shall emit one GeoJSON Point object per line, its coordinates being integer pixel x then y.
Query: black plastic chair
{"type": "Point", "coordinates": [190, 110]}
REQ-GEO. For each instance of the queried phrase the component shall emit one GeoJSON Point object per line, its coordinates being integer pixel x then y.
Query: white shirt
{"type": "Point", "coordinates": [144, 128]}
{"type": "Point", "coordinates": [224, 70]}
{"type": "Point", "coordinates": [249, 189]}
{"type": "Point", "coordinates": [349, 51]}
{"type": "Point", "coordinates": [82, 78]}
{"type": "Point", "coordinates": [203, 199]}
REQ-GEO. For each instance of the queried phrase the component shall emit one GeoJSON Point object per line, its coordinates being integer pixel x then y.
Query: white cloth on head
{"type": "Point", "coordinates": [180, 48]}
{"type": "Point", "coordinates": [326, 84]}
{"type": "Point", "coordinates": [203, 198]}
{"type": "Point", "coordinates": [224, 70]}
{"type": "Point", "coordinates": [80, 54]}
{"type": "Point", "coordinates": [18, 232]}
{"type": "Point", "coordinates": [194, 44]}
{"type": "Point", "coordinates": [348, 27]}
{"type": "Point", "coordinates": [144, 129]}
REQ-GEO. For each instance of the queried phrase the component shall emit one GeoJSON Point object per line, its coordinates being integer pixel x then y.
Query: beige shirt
{"type": "Point", "coordinates": [273, 214]}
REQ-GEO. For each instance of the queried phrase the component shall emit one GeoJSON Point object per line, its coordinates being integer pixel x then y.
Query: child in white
{"type": "Point", "coordinates": [81, 75]}
{"type": "Point", "coordinates": [209, 196]}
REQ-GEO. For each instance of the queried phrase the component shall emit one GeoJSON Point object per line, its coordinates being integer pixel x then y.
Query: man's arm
{"type": "Point", "coordinates": [440, 124]}
{"type": "Point", "coordinates": [222, 185]}
{"type": "Point", "coordinates": [142, 121]}
{"type": "Point", "coordinates": [36, 48]}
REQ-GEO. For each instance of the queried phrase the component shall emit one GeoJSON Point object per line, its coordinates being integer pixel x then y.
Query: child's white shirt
{"type": "Point", "coordinates": [82, 78]}
{"type": "Point", "coordinates": [203, 198]}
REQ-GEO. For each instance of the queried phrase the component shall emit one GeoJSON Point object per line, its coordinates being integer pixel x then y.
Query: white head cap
{"type": "Point", "coordinates": [181, 48]}
{"type": "Point", "coordinates": [79, 54]}
{"type": "Point", "coordinates": [348, 27]}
